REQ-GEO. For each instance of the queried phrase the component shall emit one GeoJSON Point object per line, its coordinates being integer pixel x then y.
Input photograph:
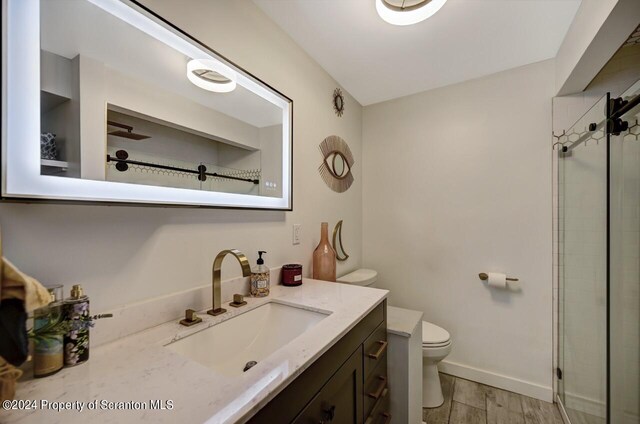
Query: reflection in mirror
{"type": "Point", "coordinates": [162, 155]}
{"type": "Point", "coordinates": [182, 122]}
{"type": "Point", "coordinates": [338, 164]}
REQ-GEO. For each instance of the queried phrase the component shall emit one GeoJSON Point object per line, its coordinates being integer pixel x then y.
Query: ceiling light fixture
{"type": "Point", "coordinates": [211, 75]}
{"type": "Point", "coordinates": [407, 12]}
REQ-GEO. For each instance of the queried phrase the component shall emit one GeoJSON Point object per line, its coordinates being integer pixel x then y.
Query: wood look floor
{"type": "Point", "coordinates": [467, 402]}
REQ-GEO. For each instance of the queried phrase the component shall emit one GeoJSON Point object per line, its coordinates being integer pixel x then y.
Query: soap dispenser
{"type": "Point", "coordinates": [260, 278]}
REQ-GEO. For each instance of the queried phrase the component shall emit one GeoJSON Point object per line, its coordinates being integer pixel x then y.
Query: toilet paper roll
{"type": "Point", "coordinates": [497, 279]}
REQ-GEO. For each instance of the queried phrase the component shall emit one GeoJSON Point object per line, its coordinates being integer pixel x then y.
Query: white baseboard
{"type": "Point", "coordinates": [629, 418]}
{"type": "Point", "coordinates": [593, 407]}
{"type": "Point", "coordinates": [584, 404]}
{"type": "Point", "coordinates": [563, 413]}
{"type": "Point", "coordinates": [497, 380]}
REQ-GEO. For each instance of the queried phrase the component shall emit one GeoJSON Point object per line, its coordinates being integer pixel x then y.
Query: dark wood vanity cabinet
{"type": "Point", "coordinates": [346, 385]}
{"type": "Point", "coordinates": [339, 400]}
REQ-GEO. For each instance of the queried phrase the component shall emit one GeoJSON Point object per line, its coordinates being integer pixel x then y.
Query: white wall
{"type": "Point", "coordinates": [458, 182]}
{"type": "Point", "coordinates": [599, 27]}
{"type": "Point", "coordinates": [125, 254]}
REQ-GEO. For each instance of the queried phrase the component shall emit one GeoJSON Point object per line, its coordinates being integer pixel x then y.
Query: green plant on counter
{"type": "Point", "coordinates": [54, 326]}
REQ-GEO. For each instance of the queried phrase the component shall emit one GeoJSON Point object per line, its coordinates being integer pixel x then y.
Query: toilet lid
{"type": "Point", "coordinates": [432, 334]}
{"type": "Point", "coordinates": [360, 277]}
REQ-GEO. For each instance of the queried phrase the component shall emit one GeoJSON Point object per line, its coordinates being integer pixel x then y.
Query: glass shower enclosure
{"type": "Point", "coordinates": [599, 263]}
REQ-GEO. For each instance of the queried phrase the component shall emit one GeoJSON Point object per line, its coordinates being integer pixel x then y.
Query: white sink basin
{"type": "Point", "coordinates": [227, 347]}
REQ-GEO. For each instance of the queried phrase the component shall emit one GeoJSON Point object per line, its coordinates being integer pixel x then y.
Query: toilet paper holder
{"type": "Point", "coordinates": [483, 276]}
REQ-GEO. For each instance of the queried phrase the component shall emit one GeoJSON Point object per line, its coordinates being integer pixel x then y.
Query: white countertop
{"type": "Point", "coordinates": [402, 322]}
{"type": "Point", "coordinates": [138, 368]}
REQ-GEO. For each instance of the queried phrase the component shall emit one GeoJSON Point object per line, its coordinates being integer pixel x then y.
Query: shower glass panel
{"type": "Point", "coordinates": [582, 194]}
{"type": "Point", "coordinates": [599, 258]}
{"type": "Point", "coordinates": [624, 285]}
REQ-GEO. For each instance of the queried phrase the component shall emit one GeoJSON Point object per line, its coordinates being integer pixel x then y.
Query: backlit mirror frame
{"type": "Point", "coordinates": [21, 170]}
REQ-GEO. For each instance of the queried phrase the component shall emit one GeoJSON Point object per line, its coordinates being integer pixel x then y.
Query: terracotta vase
{"type": "Point", "coordinates": [324, 257]}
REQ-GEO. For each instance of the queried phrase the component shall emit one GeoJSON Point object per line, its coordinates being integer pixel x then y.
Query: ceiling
{"type": "Point", "coordinates": [375, 61]}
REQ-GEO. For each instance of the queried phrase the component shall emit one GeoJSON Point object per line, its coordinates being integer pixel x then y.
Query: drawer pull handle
{"type": "Point", "coordinates": [328, 415]}
{"type": "Point", "coordinates": [382, 414]}
{"type": "Point", "coordinates": [387, 416]}
{"type": "Point", "coordinates": [378, 392]}
{"type": "Point", "coordinates": [383, 347]}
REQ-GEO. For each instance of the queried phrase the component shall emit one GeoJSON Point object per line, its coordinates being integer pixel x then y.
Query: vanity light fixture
{"type": "Point", "coordinates": [211, 75]}
{"type": "Point", "coordinates": [407, 12]}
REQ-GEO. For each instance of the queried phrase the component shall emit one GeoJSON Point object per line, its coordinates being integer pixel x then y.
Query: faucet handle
{"type": "Point", "coordinates": [190, 318]}
{"type": "Point", "coordinates": [238, 301]}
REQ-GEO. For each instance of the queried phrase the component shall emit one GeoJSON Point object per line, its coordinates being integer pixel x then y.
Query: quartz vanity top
{"type": "Point", "coordinates": [135, 370]}
{"type": "Point", "coordinates": [402, 322]}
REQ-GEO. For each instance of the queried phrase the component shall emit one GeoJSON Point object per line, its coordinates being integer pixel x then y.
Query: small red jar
{"type": "Point", "coordinates": [291, 275]}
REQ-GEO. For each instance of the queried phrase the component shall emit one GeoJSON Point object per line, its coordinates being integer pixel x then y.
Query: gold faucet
{"type": "Point", "coordinates": [217, 266]}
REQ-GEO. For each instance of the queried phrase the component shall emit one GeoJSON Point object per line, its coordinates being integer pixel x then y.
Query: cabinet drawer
{"type": "Point", "coordinates": [380, 414]}
{"type": "Point", "coordinates": [340, 399]}
{"type": "Point", "coordinates": [377, 382]}
{"type": "Point", "coordinates": [375, 349]}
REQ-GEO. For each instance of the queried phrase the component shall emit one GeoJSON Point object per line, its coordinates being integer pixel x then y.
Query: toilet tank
{"type": "Point", "coordinates": [360, 277]}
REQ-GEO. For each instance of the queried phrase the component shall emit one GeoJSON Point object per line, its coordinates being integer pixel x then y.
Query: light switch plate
{"type": "Point", "coordinates": [297, 228]}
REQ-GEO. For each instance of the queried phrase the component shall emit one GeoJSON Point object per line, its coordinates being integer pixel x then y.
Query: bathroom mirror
{"type": "Point", "coordinates": [338, 165]}
{"type": "Point", "coordinates": [107, 102]}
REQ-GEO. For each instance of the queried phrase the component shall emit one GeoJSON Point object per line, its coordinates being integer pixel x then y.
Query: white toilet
{"type": "Point", "coordinates": [436, 345]}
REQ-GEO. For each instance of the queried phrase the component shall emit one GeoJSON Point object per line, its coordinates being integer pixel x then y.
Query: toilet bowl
{"type": "Point", "coordinates": [436, 345]}
{"type": "Point", "coordinates": [360, 277]}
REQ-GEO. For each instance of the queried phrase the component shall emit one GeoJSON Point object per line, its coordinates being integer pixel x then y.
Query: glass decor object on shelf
{"type": "Point", "coordinates": [324, 257]}
{"type": "Point", "coordinates": [48, 148]}
{"type": "Point", "coordinates": [95, 77]}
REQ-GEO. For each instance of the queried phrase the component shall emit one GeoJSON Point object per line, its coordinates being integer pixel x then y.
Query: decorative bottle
{"type": "Point", "coordinates": [47, 334]}
{"type": "Point", "coordinates": [324, 257]}
{"type": "Point", "coordinates": [76, 341]}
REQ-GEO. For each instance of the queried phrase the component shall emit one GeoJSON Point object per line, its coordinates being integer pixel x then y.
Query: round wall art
{"type": "Point", "coordinates": [337, 161]}
{"type": "Point", "coordinates": [338, 102]}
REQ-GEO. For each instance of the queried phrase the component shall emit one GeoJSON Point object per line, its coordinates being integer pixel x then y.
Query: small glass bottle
{"type": "Point", "coordinates": [48, 352]}
{"type": "Point", "coordinates": [324, 257]}
{"type": "Point", "coordinates": [76, 340]}
{"type": "Point", "coordinates": [260, 278]}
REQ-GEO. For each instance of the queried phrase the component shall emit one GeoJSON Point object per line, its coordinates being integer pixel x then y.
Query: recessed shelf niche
{"type": "Point", "coordinates": [60, 112]}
